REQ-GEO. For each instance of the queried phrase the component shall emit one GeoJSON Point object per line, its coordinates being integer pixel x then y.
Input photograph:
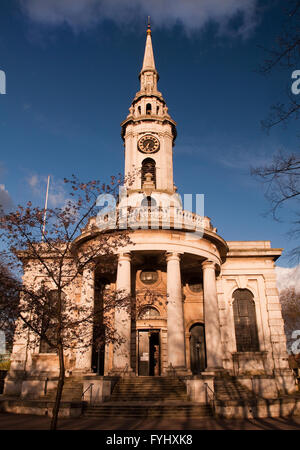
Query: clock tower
{"type": "Point", "coordinates": [149, 134]}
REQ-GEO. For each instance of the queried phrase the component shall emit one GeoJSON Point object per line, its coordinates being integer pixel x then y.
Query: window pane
{"type": "Point", "coordinates": [148, 312]}
{"type": "Point", "coordinates": [245, 321]}
{"type": "Point", "coordinates": [148, 277]}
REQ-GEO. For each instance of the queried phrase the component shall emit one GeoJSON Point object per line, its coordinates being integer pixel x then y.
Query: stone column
{"type": "Point", "coordinates": [121, 358]}
{"type": "Point", "coordinates": [211, 318]}
{"type": "Point", "coordinates": [84, 351]}
{"type": "Point", "coordinates": [176, 345]}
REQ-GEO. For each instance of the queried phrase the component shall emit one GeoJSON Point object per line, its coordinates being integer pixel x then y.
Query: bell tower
{"type": "Point", "coordinates": [149, 134]}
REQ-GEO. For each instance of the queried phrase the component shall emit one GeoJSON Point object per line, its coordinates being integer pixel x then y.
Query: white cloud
{"type": "Point", "coordinates": [33, 181]}
{"type": "Point", "coordinates": [57, 194]}
{"type": "Point", "coordinates": [192, 14]}
{"type": "Point", "coordinates": [5, 200]}
{"type": "Point", "coordinates": [288, 278]}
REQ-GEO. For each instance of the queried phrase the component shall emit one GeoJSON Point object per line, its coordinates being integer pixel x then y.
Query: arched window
{"type": "Point", "coordinates": [148, 166]}
{"type": "Point", "coordinates": [245, 321]}
{"type": "Point", "coordinates": [149, 312]}
{"type": "Point", "coordinates": [148, 108]}
{"type": "Point", "coordinates": [139, 110]}
{"type": "Point", "coordinates": [149, 202]}
{"type": "Point", "coordinates": [49, 321]}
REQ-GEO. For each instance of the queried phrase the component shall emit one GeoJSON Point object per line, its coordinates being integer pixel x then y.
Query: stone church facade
{"type": "Point", "coordinates": [217, 312]}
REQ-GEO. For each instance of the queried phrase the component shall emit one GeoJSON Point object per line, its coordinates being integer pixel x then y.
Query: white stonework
{"type": "Point", "coordinates": [194, 276]}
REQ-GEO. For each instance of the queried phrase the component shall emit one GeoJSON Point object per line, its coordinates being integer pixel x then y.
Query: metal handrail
{"type": "Point", "coordinates": [125, 370]}
{"type": "Point", "coordinates": [91, 394]}
{"type": "Point", "coordinates": [171, 368]}
{"type": "Point", "coordinates": [210, 395]}
{"type": "Point", "coordinates": [46, 386]}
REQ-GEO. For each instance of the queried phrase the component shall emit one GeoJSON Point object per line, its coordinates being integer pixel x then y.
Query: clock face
{"type": "Point", "coordinates": [148, 144]}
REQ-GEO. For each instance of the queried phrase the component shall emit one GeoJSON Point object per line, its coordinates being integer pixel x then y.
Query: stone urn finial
{"type": "Point", "coordinates": [148, 185]}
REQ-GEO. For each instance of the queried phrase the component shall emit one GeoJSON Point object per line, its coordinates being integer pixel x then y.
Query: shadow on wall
{"type": "Point", "coordinates": [2, 378]}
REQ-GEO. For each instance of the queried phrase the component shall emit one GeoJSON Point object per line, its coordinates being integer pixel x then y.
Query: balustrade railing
{"type": "Point", "coordinates": [154, 218]}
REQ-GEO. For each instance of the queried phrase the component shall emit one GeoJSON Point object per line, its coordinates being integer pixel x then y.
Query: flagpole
{"type": "Point", "coordinates": [45, 210]}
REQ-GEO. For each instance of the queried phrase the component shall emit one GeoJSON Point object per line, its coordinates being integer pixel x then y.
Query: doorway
{"type": "Point", "coordinates": [197, 349]}
{"type": "Point", "coordinates": [98, 360]}
{"type": "Point", "coordinates": [149, 353]}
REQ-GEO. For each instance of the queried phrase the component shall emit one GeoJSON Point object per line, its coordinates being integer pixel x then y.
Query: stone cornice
{"type": "Point", "coordinates": [273, 253]}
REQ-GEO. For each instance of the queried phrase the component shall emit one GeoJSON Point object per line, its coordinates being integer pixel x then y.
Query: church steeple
{"type": "Point", "coordinates": [148, 74]}
{"type": "Point", "coordinates": [149, 133]}
{"type": "Point", "coordinates": [148, 63]}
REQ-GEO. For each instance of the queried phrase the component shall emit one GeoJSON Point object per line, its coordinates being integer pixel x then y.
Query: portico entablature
{"type": "Point", "coordinates": [167, 241]}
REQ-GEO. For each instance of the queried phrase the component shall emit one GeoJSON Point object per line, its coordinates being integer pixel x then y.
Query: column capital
{"type": "Point", "coordinates": [124, 256]}
{"type": "Point", "coordinates": [208, 265]}
{"type": "Point", "coordinates": [172, 256]}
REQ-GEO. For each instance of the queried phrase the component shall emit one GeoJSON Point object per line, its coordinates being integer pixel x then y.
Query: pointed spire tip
{"type": "Point", "coordinates": [149, 26]}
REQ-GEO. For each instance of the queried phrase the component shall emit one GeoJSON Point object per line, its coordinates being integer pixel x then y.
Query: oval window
{"type": "Point", "coordinates": [148, 276]}
{"type": "Point", "coordinates": [195, 285]}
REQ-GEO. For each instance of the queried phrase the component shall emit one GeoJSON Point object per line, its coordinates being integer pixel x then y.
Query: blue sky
{"type": "Point", "coordinates": [72, 72]}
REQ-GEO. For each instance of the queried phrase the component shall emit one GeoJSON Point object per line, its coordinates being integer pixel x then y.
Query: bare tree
{"type": "Point", "coordinates": [282, 189]}
{"type": "Point", "coordinates": [282, 176]}
{"type": "Point", "coordinates": [284, 54]}
{"type": "Point", "coordinates": [290, 305]}
{"type": "Point", "coordinates": [53, 262]}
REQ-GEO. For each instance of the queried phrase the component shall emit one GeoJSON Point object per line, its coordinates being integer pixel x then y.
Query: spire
{"type": "Point", "coordinates": [148, 74]}
{"type": "Point", "coordinates": [148, 63]}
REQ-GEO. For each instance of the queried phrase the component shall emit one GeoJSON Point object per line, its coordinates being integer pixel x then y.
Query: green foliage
{"type": "Point", "coordinates": [4, 365]}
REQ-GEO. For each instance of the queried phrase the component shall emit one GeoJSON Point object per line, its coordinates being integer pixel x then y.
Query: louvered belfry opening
{"type": "Point", "coordinates": [245, 321]}
{"type": "Point", "coordinates": [148, 166]}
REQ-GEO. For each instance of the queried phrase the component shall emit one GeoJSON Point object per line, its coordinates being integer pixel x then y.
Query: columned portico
{"type": "Point", "coordinates": [84, 353]}
{"type": "Point", "coordinates": [211, 317]}
{"type": "Point", "coordinates": [175, 321]}
{"type": "Point", "coordinates": [121, 357]}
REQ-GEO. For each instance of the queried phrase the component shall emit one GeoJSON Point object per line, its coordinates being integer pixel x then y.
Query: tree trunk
{"type": "Point", "coordinates": [60, 386]}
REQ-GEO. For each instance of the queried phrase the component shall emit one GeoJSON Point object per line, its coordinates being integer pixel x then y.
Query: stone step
{"type": "Point", "coordinates": [144, 410]}
{"type": "Point", "coordinates": [135, 389]}
{"type": "Point", "coordinates": [154, 398]}
{"type": "Point", "coordinates": [161, 381]}
{"type": "Point", "coordinates": [148, 392]}
{"type": "Point", "coordinates": [149, 388]}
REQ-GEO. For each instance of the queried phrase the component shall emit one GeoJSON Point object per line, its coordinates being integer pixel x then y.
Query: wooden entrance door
{"type": "Point", "coordinates": [149, 353]}
{"type": "Point", "coordinates": [143, 338]}
{"type": "Point", "coordinates": [197, 349]}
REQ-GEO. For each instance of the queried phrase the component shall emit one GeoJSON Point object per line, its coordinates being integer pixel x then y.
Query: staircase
{"type": "Point", "coordinates": [153, 389]}
{"type": "Point", "coordinates": [159, 397]}
{"type": "Point", "coordinates": [159, 410]}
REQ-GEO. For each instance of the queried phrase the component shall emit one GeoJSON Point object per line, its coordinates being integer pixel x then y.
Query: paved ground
{"type": "Point", "coordinates": [29, 422]}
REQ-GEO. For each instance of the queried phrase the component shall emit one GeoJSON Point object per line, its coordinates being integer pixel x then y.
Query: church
{"type": "Point", "coordinates": [213, 337]}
